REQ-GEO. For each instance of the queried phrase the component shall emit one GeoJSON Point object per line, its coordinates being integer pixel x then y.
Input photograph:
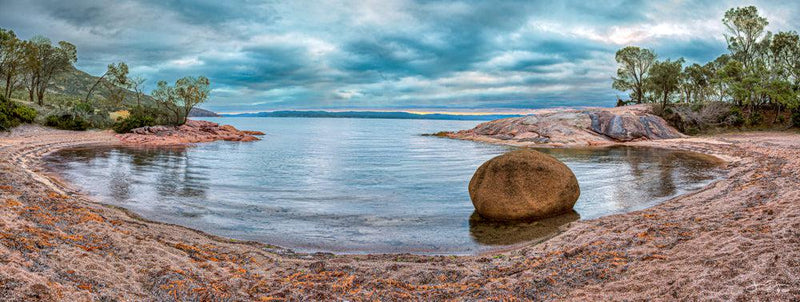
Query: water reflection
{"type": "Point", "coordinates": [626, 178]}
{"type": "Point", "coordinates": [343, 185]}
{"type": "Point", "coordinates": [508, 233]}
{"type": "Point", "coordinates": [126, 167]}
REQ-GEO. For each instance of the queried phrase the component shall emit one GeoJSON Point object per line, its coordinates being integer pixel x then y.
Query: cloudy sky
{"type": "Point", "coordinates": [387, 54]}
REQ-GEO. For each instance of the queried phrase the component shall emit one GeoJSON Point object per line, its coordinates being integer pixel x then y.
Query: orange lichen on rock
{"type": "Point", "coordinates": [12, 202]}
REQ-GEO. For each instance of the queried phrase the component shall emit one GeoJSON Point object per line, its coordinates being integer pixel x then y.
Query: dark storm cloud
{"type": "Point", "coordinates": [263, 55]}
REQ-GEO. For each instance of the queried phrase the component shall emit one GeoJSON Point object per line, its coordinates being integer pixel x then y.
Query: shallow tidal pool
{"type": "Point", "coordinates": [360, 185]}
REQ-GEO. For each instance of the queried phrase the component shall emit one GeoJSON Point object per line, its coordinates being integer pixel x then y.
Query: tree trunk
{"type": "Point", "coordinates": [9, 88]}
{"type": "Point", "coordinates": [31, 89]}
{"type": "Point", "coordinates": [42, 89]}
{"type": "Point", "coordinates": [639, 96]}
{"type": "Point", "coordinates": [88, 94]}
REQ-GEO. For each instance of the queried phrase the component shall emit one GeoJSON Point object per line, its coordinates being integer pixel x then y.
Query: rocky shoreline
{"type": "Point", "coordinates": [572, 127]}
{"type": "Point", "coordinates": [193, 131]}
{"type": "Point", "coordinates": [736, 239]}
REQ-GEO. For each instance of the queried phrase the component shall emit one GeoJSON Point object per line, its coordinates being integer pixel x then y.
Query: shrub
{"type": "Point", "coordinates": [735, 118]}
{"type": "Point", "coordinates": [754, 119]}
{"type": "Point", "coordinates": [67, 122]}
{"type": "Point", "coordinates": [13, 114]}
{"type": "Point", "coordinates": [99, 121]}
{"type": "Point", "coordinates": [796, 117]}
{"type": "Point", "coordinates": [137, 117]}
{"type": "Point", "coordinates": [133, 122]}
{"type": "Point", "coordinates": [25, 114]}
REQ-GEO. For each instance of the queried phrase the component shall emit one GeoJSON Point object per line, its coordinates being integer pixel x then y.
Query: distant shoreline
{"type": "Point", "coordinates": [375, 115]}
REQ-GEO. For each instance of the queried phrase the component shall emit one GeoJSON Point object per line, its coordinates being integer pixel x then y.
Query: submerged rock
{"type": "Point", "coordinates": [523, 184]}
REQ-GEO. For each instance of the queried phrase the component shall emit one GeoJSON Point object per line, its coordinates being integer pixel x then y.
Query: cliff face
{"type": "Point", "coordinates": [574, 127]}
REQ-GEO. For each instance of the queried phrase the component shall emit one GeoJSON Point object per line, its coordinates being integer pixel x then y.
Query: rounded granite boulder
{"type": "Point", "coordinates": [523, 184]}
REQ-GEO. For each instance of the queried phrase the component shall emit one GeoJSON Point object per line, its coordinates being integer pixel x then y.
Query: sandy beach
{"type": "Point", "coordinates": [736, 239]}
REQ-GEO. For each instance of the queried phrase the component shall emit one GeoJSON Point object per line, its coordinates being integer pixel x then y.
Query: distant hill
{"type": "Point", "coordinates": [199, 112]}
{"type": "Point", "coordinates": [76, 83]}
{"type": "Point", "coordinates": [374, 114]}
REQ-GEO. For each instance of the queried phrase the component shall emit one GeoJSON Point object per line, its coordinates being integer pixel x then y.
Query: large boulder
{"type": "Point", "coordinates": [630, 126]}
{"type": "Point", "coordinates": [523, 184]}
{"type": "Point", "coordinates": [573, 127]}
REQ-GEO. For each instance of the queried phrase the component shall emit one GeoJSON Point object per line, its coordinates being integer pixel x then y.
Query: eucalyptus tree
{"type": "Point", "coordinates": [634, 64]}
{"type": "Point", "coordinates": [714, 69]}
{"type": "Point", "coordinates": [11, 61]}
{"type": "Point", "coordinates": [43, 61]}
{"type": "Point", "coordinates": [179, 100]}
{"type": "Point", "coordinates": [745, 29]}
{"type": "Point", "coordinates": [136, 84]}
{"type": "Point", "coordinates": [116, 75]}
{"type": "Point", "coordinates": [785, 48]}
{"type": "Point", "coordinates": [696, 81]}
{"type": "Point", "coordinates": [664, 79]}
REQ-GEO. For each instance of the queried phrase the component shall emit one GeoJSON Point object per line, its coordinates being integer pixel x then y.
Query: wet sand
{"type": "Point", "coordinates": [738, 238]}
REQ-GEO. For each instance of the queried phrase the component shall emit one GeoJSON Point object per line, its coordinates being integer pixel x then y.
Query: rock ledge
{"type": "Point", "coordinates": [192, 132]}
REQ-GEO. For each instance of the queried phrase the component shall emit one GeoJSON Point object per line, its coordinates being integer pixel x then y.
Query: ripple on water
{"type": "Point", "coordinates": [359, 186]}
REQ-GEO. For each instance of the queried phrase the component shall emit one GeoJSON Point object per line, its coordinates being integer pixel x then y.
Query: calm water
{"type": "Point", "coordinates": [359, 185]}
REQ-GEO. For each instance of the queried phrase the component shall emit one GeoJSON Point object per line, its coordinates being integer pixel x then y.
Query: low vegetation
{"type": "Point", "coordinates": [755, 85]}
{"type": "Point", "coordinates": [13, 114]}
{"type": "Point", "coordinates": [138, 117]}
{"type": "Point", "coordinates": [30, 70]}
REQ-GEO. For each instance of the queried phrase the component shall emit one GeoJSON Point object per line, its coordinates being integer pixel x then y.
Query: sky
{"type": "Point", "coordinates": [387, 54]}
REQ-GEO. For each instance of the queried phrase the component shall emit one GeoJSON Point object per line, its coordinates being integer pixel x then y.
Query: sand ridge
{"type": "Point", "coordinates": [738, 238]}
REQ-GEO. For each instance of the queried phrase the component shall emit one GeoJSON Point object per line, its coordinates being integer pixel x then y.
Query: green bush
{"type": "Point", "coordinates": [99, 121]}
{"type": "Point", "coordinates": [133, 122]}
{"type": "Point", "coordinates": [796, 117]}
{"type": "Point", "coordinates": [13, 114]}
{"type": "Point", "coordinates": [25, 114]}
{"type": "Point", "coordinates": [67, 122]}
{"type": "Point", "coordinates": [735, 118]}
{"type": "Point", "coordinates": [754, 119]}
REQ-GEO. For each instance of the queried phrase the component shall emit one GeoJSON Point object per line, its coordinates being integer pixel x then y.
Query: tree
{"type": "Point", "coordinates": [634, 64]}
{"type": "Point", "coordinates": [118, 83]}
{"type": "Point", "coordinates": [179, 100]}
{"type": "Point", "coordinates": [714, 69]}
{"type": "Point", "coordinates": [11, 61]}
{"type": "Point", "coordinates": [117, 74]}
{"type": "Point", "coordinates": [745, 28]}
{"type": "Point", "coordinates": [43, 61]}
{"type": "Point", "coordinates": [785, 48]}
{"type": "Point", "coordinates": [665, 79]}
{"type": "Point", "coordinates": [192, 91]}
{"type": "Point", "coordinates": [696, 81]}
{"type": "Point", "coordinates": [137, 83]}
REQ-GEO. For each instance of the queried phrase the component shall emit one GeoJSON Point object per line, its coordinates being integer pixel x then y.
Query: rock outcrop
{"type": "Point", "coordinates": [523, 184]}
{"type": "Point", "coordinates": [573, 127]}
{"type": "Point", "coordinates": [192, 131]}
{"type": "Point", "coordinates": [630, 126]}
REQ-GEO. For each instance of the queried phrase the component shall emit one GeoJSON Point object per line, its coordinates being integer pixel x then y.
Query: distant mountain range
{"type": "Point", "coordinates": [374, 114]}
